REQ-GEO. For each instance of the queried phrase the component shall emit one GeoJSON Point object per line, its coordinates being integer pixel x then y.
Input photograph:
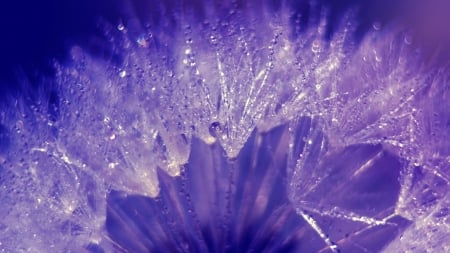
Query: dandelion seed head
{"type": "Point", "coordinates": [247, 130]}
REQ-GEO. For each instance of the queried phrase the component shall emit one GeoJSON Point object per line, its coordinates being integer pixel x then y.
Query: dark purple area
{"type": "Point", "coordinates": [35, 33]}
{"type": "Point", "coordinates": [241, 205]}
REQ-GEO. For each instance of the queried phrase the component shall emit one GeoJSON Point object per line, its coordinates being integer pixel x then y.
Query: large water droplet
{"type": "Point", "coordinates": [215, 128]}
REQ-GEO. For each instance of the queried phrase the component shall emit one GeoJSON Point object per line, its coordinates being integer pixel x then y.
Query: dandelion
{"type": "Point", "coordinates": [231, 128]}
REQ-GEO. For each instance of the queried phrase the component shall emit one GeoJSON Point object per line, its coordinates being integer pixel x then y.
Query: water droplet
{"type": "Point", "coordinates": [408, 39]}
{"type": "Point", "coordinates": [122, 73]}
{"type": "Point", "coordinates": [120, 27]}
{"type": "Point", "coordinates": [19, 126]}
{"type": "Point", "coordinates": [214, 129]}
{"type": "Point", "coordinates": [376, 26]}
{"type": "Point", "coordinates": [213, 39]}
{"type": "Point", "coordinates": [142, 40]}
{"type": "Point", "coordinates": [315, 46]}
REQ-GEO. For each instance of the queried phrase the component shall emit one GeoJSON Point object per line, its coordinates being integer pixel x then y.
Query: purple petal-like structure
{"type": "Point", "coordinates": [241, 205]}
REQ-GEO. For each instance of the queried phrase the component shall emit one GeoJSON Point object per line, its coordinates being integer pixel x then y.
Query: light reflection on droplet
{"type": "Point", "coordinates": [408, 39]}
{"type": "Point", "coordinates": [376, 26]}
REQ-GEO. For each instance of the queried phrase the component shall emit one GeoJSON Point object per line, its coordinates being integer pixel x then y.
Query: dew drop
{"type": "Point", "coordinates": [315, 47]}
{"type": "Point", "coordinates": [213, 39]}
{"type": "Point", "coordinates": [408, 39]}
{"type": "Point", "coordinates": [378, 58]}
{"type": "Point", "coordinates": [120, 27]}
{"type": "Point", "coordinates": [376, 26]}
{"type": "Point", "coordinates": [214, 129]}
{"type": "Point", "coordinates": [142, 41]}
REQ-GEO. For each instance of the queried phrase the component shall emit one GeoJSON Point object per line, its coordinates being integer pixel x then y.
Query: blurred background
{"type": "Point", "coordinates": [36, 33]}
